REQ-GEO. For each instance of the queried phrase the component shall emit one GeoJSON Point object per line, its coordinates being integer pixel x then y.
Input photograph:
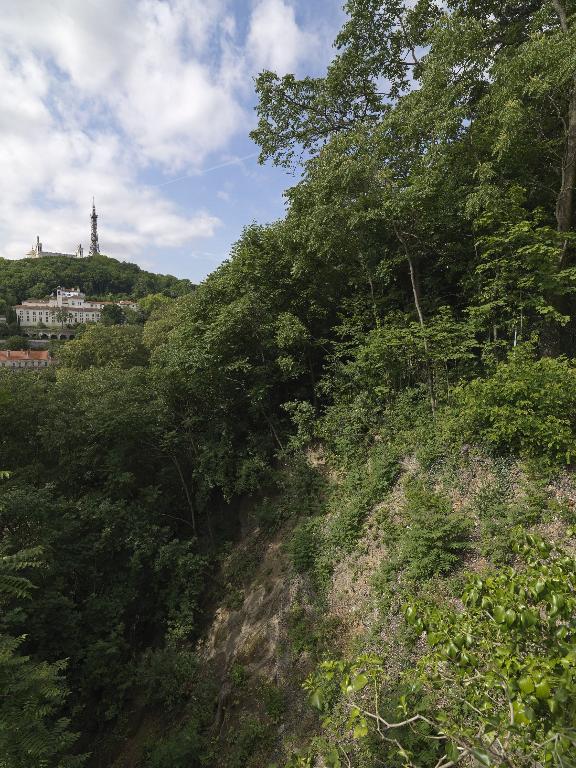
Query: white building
{"type": "Point", "coordinates": [37, 252]}
{"type": "Point", "coordinates": [66, 307]}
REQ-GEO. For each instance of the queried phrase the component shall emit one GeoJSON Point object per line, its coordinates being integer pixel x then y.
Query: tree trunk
{"type": "Point", "coordinates": [555, 340]}
{"type": "Point", "coordinates": [416, 295]}
{"type": "Point", "coordinates": [186, 493]}
{"type": "Point", "coordinates": [565, 199]}
{"type": "Point", "coordinates": [415, 290]}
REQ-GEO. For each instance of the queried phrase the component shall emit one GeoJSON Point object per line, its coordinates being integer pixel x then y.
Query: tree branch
{"type": "Point", "coordinates": [561, 13]}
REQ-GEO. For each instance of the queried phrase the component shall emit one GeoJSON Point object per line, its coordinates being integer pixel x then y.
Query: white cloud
{"type": "Point", "coordinates": [24, 87]}
{"type": "Point", "coordinates": [87, 41]}
{"type": "Point", "coordinates": [159, 68]}
{"type": "Point", "coordinates": [55, 202]}
{"type": "Point", "coordinates": [177, 105]}
{"type": "Point", "coordinates": [95, 93]}
{"type": "Point", "coordinates": [275, 41]}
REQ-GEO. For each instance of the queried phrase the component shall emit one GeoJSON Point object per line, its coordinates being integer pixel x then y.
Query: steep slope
{"type": "Point", "coordinates": [279, 619]}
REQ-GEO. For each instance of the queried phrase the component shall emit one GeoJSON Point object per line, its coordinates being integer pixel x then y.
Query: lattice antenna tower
{"type": "Point", "coordinates": [94, 247]}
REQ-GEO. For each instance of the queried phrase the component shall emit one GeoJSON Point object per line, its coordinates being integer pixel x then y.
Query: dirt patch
{"type": "Point", "coordinates": [249, 635]}
{"type": "Point", "coordinates": [349, 597]}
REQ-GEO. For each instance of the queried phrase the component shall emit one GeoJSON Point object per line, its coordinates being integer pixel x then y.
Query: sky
{"type": "Point", "coordinates": [146, 106]}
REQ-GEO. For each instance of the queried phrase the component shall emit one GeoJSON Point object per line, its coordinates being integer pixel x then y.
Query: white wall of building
{"type": "Point", "coordinates": [39, 312]}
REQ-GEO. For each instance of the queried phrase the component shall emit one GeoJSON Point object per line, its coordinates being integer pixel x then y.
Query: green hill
{"type": "Point", "coordinates": [96, 276]}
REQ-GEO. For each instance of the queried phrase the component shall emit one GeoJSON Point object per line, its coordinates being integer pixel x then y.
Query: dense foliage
{"type": "Point", "coordinates": [498, 675]}
{"type": "Point", "coordinates": [97, 276]}
{"type": "Point", "coordinates": [418, 298]}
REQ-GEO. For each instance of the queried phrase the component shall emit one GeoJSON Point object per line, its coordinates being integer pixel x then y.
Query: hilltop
{"type": "Point", "coordinates": [97, 276]}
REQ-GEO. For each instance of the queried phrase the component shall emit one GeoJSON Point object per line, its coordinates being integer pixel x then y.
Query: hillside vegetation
{"type": "Point", "coordinates": [96, 276]}
{"type": "Point", "coordinates": [321, 511]}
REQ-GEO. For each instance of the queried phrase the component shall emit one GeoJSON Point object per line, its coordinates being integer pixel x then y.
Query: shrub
{"type": "Point", "coordinates": [365, 484]}
{"type": "Point", "coordinates": [495, 687]}
{"type": "Point", "coordinates": [298, 490]}
{"type": "Point", "coordinates": [384, 470]}
{"type": "Point", "coordinates": [248, 742]}
{"type": "Point", "coordinates": [168, 676]}
{"type": "Point", "coordinates": [345, 429]}
{"type": "Point", "coordinates": [527, 407]}
{"type": "Point", "coordinates": [190, 708]}
{"type": "Point", "coordinates": [304, 545]}
{"type": "Point", "coordinates": [435, 536]}
{"type": "Point", "coordinates": [238, 675]}
{"type": "Point", "coordinates": [346, 527]}
{"type": "Point", "coordinates": [274, 701]}
{"type": "Point", "coordinates": [310, 632]}
{"type": "Point", "coordinates": [515, 639]}
{"type": "Point", "coordinates": [499, 514]}
{"type": "Point", "coordinates": [178, 750]}
{"type": "Point", "coordinates": [17, 342]}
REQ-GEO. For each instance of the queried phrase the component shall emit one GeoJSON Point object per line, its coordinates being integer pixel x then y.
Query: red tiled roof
{"type": "Point", "coordinates": [28, 354]}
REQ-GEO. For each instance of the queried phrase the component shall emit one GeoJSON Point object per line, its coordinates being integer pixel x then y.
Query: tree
{"type": "Point", "coordinates": [61, 315]}
{"type": "Point", "coordinates": [468, 85]}
{"type": "Point", "coordinates": [100, 345]}
{"type": "Point", "coordinates": [32, 730]}
{"type": "Point", "coordinates": [38, 291]}
{"type": "Point", "coordinates": [96, 276]}
{"type": "Point", "coordinates": [112, 314]}
{"type": "Point", "coordinates": [17, 342]}
{"type": "Point", "coordinates": [154, 303]}
{"type": "Point", "coordinates": [378, 44]}
{"type": "Point", "coordinates": [510, 655]}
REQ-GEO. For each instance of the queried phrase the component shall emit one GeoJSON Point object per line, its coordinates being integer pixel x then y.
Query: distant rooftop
{"type": "Point", "coordinates": [28, 354]}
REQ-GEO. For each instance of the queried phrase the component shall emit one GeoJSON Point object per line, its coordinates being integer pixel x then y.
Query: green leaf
{"type": "Point", "coordinates": [526, 685]}
{"type": "Point", "coordinates": [528, 618]}
{"type": "Point", "coordinates": [510, 617]}
{"type": "Point", "coordinates": [520, 713]}
{"type": "Point", "coordinates": [482, 757]}
{"type": "Point", "coordinates": [451, 651]}
{"type": "Point", "coordinates": [499, 614]}
{"type": "Point", "coordinates": [542, 690]}
{"type": "Point", "coordinates": [316, 700]}
{"type": "Point", "coordinates": [411, 614]}
{"type": "Point", "coordinates": [540, 587]}
{"type": "Point", "coordinates": [359, 682]}
{"type": "Point", "coordinates": [332, 759]}
{"type": "Point", "coordinates": [452, 751]}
